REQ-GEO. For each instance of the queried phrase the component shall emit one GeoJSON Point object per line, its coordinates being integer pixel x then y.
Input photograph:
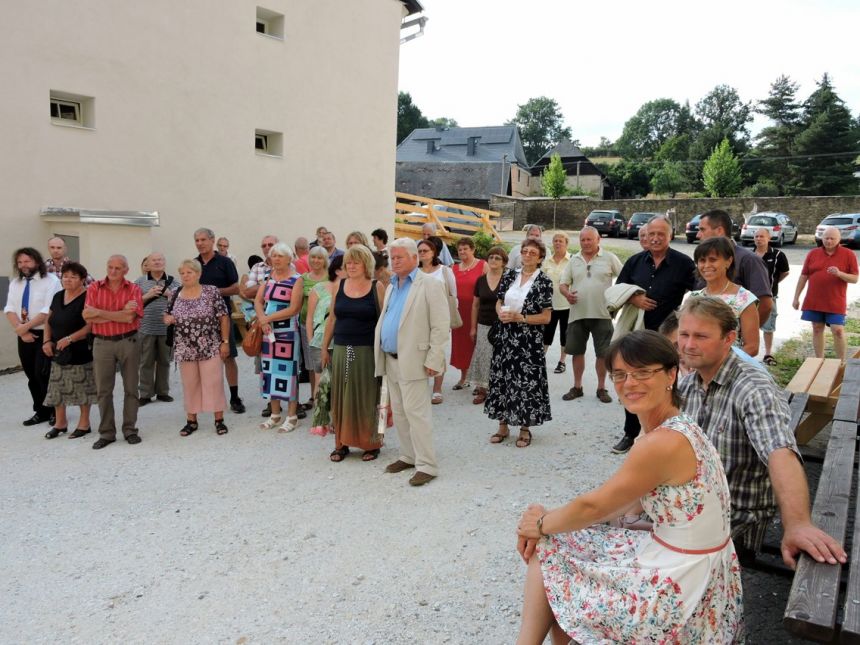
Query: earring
{"type": "Point", "coordinates": [668, 387]}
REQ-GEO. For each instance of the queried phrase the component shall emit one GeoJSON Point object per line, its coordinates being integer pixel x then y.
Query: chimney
{"type": "Point", "coordinates": [431, 146]}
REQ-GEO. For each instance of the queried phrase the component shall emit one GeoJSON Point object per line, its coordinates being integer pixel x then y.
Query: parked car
{"type": "Point", "coordinates": [637, 221]}
{"type": "Point", "coordinates": [779, 225]}
{"type": "Point", "coordinates": [609, 223]}
{"type": "Point", "coordinates": [692, 230]}
{"type": "Point", "coordinates": [848, 225]}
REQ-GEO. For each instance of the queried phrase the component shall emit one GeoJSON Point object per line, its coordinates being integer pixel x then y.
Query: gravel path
{"type": "Point", "coordinates": [256, 537]}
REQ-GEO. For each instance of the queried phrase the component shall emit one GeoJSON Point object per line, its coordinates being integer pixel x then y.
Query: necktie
{"type": "Point", "coordinates": [25, 301]}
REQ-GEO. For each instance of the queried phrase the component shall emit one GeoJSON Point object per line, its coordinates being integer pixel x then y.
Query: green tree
{"type": "Point", "coordinates": [776, 142]}
{"type": "Point", "coordinates": [629, 177]}
{"type": "Point", "coordinates": [722, 172]}
{"type": "Point", "coordinates": [553, 181]}
{"type": "Point", "coordinates": [541, 126]}
{"type": "Point", "coordinates": [723, 115]}
{"type": "Point", "coordinates": [825, 145]}
{"type": "Point", "coordinates": [444, 122]}
{"type": "Point", "coordinates": [409, 116]}
{"type": "Point", "coordinates": [669, 179]}
{"type": "Point", "coordinates": [654, 123]}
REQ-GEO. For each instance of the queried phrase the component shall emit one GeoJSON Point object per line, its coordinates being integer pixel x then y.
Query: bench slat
{"type": "Point", "coordinates": [812, 603]}
{"type": "Point", "coordinates": [797, 407]}
{"type": "Point", "coordinates": [849, 395]}
{"type": "Point", "coordinates": [805, 375]}
{"type": "Point", "coordinates": [826, 379]}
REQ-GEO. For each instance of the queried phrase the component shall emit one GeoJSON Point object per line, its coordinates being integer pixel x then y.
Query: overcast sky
{"type": "Point", "coordinates": [479, 59]}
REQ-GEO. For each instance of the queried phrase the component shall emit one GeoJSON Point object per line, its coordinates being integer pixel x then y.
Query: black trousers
{"type": "Point", "coordinates": [37, 367]}
{"type": "Point", "coordinates": [631, 424]}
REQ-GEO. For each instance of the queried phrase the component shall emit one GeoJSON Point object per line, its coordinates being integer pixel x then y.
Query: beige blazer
{"type": "Point", "coordinates": [424, 330]}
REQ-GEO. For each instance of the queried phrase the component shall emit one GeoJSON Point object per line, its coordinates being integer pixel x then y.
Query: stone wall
{"type": "Point", "coordinates": [571, 212]}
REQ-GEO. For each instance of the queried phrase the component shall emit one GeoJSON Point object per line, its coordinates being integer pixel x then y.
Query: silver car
{"type": "Point", "coordinates": [779, 226]}
{"type": "Point", "coordinates": [848, 225]}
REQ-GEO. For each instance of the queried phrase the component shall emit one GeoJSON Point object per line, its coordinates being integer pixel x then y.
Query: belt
{"type": "Point", "coordinates": [392, 354]}
{"type": "Point", "coordinates": [127, 334]}
{"type": "Point", "coordinates": [678, 549]}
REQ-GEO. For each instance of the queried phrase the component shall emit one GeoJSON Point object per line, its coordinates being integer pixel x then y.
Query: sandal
{"type": "Point", "coordinates": [271, 422]}
{"type": "Point", "coordinates": [339, 454]}
{"type": "Point", "coordinates": [768, 360]}
{"type": "Point", "coordinates": [480, 397]}
{"type": "Point", "coordinates": [499, 437]}
{"type": "Point", "coordinates": [559, 369]}
{"type": "Point", "coordinates": [437, 398]}
{"type": "Point", "coordinates": [525, 438]}
{"type": "Point", "coordinates": [53, 433]}
{"type": "Point", "coordinates": [370, 455]}
{"type": "Point", "coordinates": [79, 432]}
{"type": "Point", "coordinates": [220, 428]}
{"type": "Point", "coordinates": [462, 385]}
{"type": "Point", "coordinates": [190, 427]}
{"type": "Point", "coordinates": [290, 424]}
{"type": "Point", "coordinates": [307, 406]}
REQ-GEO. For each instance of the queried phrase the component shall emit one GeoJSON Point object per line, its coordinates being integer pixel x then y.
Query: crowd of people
{"type": "Point", "coordinates": [371, 325]}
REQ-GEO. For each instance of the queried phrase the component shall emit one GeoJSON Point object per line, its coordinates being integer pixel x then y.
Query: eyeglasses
{"type": "Point", "coordinates": [495, 257]}
{"type": "Point", "coordinates": [587, 270]}
{"type": "Point", "coordinates": [424, 251]}
{"type": "Point", "coordinates": [619, 376]}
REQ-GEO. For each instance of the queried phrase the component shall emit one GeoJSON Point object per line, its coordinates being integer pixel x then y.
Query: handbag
{"type": "Point", "coordinates": [252, 344]}
{"type": "Point", "coordinates": [453, 310]}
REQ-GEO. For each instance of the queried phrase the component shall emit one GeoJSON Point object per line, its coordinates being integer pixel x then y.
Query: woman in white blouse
{"type": "Point", "coordinates": [429, 263]}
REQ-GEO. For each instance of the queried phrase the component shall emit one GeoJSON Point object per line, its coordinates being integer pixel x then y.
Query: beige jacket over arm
{"type": "Point", "coordinates": [424, 330]}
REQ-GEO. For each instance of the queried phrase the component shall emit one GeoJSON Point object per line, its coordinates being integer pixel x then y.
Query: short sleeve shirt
{"type": "Point", "coordinates": [198, 325]}
{"type": "Point", "coordinates": [590, 280]}
{"type": "Point", "coordinates": [152, 322]}
{"type": "Point", "coordinates": [554, 271]}
{"type": "Point", "coordinates": [666, 284]}
{"type": "Point", "coordinates": [827, 293]}
{"type": "Point", "coordinates": [101, 296]}
{"type": "Point", "coordinates": [776, 264]}
{"type": "Point", "coordinates": [219, 272]}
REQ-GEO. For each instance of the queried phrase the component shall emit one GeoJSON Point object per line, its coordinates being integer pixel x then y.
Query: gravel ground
{"type": "Point", "coordinates": [256, 537]}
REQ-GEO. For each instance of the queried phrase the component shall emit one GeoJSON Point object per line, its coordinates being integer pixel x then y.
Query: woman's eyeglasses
{"type": "Point", "coordinates": [619, 376]}
{"type": "Point", "coordinates": [495, 257]}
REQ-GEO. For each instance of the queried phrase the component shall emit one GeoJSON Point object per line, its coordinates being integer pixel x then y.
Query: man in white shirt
{"type": "Point", "coordinates": [27, 307]}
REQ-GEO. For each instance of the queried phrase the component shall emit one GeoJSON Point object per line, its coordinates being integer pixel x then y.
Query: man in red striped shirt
{"type": "Point", "coordinates": [114, 307]}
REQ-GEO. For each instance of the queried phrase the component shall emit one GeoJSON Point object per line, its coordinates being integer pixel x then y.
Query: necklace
{"type": "Point", "coordinates": [708, 292]}
{"type": "Point", "coordinates": [464, 267]}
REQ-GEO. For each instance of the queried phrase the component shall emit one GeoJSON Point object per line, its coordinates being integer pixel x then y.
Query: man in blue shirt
{"type": "Point", "coordinates": [411, 337]}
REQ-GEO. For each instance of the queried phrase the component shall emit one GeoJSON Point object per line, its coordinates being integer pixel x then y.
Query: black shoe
{"type": "Point", "coordinates": [267, 411]}
{"type": "Point", "coordinates": [301, 414]}
{"type": "Point", "coordinates": [143, 401]}
{"type": "Point", "coordinates": [165, 397]}
{"type": "Point", "coordinates": [36, 419]}
{"type": "Point", "coordinates": [237, 406]}
{"type": "Point", "coordinates": [53, 433]}
{"type": "Point", "coordinates": [622, 446]}
{"type": "Point", "coordinates": [101, 443]}
{"type": "Point", "coordinates": [133, 439]}
{"type": "Point", "coordinates": [52, 420]}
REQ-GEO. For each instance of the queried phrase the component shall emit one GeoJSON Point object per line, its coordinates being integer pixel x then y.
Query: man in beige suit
{"type": "Point", "coordinates": [410, 341]}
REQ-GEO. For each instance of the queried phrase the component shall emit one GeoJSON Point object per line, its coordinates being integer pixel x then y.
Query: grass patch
{"type": "Point", "coordinates": [789, 358]}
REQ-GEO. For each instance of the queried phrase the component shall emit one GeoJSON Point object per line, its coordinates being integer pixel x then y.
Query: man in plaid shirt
{"type": "Point", "coordinates": [746, 417]}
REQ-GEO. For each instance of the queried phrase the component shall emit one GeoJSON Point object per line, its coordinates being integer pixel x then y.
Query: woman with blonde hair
{"type": "Point", "coordinates": [200, 345]}
{"type": "Point", "coordinates": [357, 237]}
{"type": "Point", "coordinates": [278, 303]}
{"type": "Point", "coordinates": [354, 386]}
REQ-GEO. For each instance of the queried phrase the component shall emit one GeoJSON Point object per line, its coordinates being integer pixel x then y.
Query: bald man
{"type": "Point", "coordinates": [114, 307]}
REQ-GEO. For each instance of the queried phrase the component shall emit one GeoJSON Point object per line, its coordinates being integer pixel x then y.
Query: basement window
{"type": "Point", "coordinates": [269, 143]}
{"type": "Point", "coordinates": [73, 110]}
{"type": "Point", "coordinates": [270, 23]}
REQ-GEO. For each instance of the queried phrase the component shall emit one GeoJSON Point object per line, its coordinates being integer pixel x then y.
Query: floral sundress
{"type": "Point", "coordinates": [611, 585]}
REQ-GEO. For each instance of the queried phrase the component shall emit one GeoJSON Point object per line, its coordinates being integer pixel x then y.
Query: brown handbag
{"type": "Point", "coordinates": [252, 344]}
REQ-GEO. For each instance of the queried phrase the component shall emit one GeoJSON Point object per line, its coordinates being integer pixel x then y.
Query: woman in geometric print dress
{"type": "Point", "coordinates": [607, 583]}
{"type": "Point", "coordinates": [278, 303]}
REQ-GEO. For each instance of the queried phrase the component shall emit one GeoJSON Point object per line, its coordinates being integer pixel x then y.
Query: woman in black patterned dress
{"type": "Point", "coordinates": [518, 392]}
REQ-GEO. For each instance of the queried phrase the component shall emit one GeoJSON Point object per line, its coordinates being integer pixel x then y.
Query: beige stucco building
{"type": "Point", "coordinates": [127, 125]}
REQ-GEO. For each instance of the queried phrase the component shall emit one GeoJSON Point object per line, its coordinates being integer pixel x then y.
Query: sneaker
{"type": "Point", "coordinates": [237, 406]}
{"type": "Point", "coordinates": [572, 393]}
{"type": "Point", "coordinates": [603, 395]}
{"type": "Point", "coordinates": [622, 446]}
{"type": "Point", "coordinates": [559, 369]}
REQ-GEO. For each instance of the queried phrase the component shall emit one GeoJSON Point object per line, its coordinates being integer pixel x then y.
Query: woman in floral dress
{"type": "Point", "coordinates": [518, 392]}
{"type": "Point", "coordinates": [680, 582]}
{"type": "Point", "coordinates": [715, 258]}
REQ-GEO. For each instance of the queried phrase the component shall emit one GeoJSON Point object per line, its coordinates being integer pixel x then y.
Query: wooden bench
{"type": "Point", "coordinates": [814, 389]}
{"type": "Point", "coordinates": [813, 602]}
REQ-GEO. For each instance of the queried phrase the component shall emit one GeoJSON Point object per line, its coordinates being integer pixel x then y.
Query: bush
{"type": "Point", "coordinates": [761, 189]}
{"type": "Point", "coordinates": [483, 243]}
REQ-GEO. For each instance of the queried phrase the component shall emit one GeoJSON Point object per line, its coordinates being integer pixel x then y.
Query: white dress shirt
{"type": "Point", "coordinates": [42, 290]}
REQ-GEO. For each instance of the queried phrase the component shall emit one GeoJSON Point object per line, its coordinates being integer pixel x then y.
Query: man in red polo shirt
{"type": "Point", "coordinates": [114, 307]}
{"type": "Point", "coordinates": [828, 270]}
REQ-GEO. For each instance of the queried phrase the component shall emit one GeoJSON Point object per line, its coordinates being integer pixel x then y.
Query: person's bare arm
{"type": "Point", "coordinates": [765, 304]}
{"type": "Point", "coordinates": [801, 283]}
{"type": "Point", "coordinates": [313, 299]}
{"type": "Point", "coordinates": [749, 321]}
{"type": "Point", "coordinates": [473, 332]}
{"type": "Point", "coordinates": [232, 290]}
{"type": "Point", "coordinates": [792, 497]}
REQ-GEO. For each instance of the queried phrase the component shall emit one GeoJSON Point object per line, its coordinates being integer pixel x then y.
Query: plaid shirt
{"type": "Point", "coordinates": [746, 417]}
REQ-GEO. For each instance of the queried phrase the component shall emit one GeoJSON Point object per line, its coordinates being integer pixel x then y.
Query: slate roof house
{"type": "Point", "coordinates": [581, 172]}
{"type": "Point", "coordinates": [465, 165]}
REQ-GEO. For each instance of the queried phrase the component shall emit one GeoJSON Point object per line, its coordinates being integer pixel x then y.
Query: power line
{"type": "Point", "coordinates": [647, 162]}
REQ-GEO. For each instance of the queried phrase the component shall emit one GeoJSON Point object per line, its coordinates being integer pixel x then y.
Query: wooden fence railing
{"type": "Point", "coordinates": [452, 220]}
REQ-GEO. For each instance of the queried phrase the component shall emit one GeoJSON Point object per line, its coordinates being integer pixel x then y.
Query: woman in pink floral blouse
{"type": "Point", "coordinates": [612, 582]}
{"type": "Point", "coordinates": [201, 342]}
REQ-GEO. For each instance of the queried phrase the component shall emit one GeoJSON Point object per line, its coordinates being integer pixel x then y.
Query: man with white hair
{"type": "Point", "coordinates": [156, 287]}
{"type": "Point", "coordinates": [828, 270]}
{"type": "Point", "coordinates": [643, 237]}
{"type": "Point", "coordinates": [114, 307]}
{"type": "Point", "coordinates": [533, 232]}
{"type": "Point", "coordinates": [428, 229]}
{"type": "Point", "coordinates": [223, 246]}
{"type": "Point", "coordinates": [409, 344]}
